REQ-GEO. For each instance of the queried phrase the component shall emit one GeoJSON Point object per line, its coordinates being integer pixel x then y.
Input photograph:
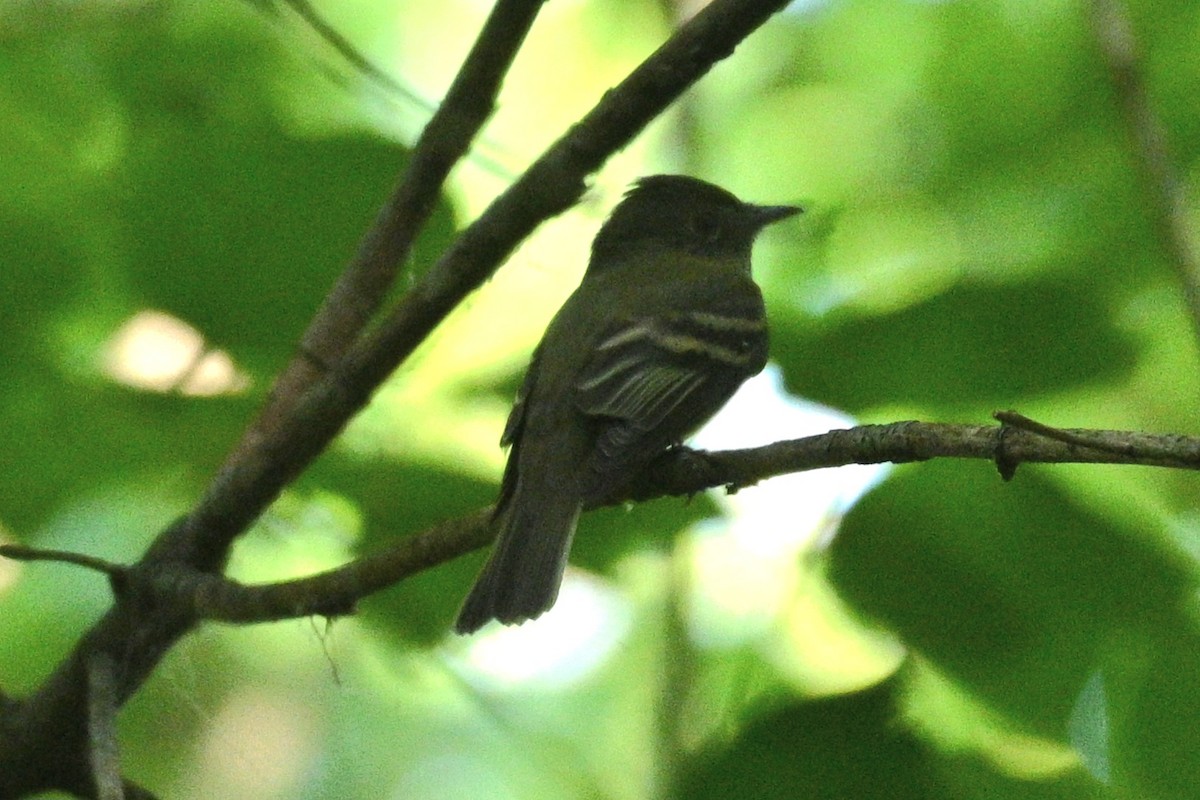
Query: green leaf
{"type": "Point", "coordinates": [973, 346]}
{"type": "Point", "coordinates": [1012, 588]}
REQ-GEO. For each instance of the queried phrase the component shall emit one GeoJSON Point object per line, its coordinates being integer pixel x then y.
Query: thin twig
{"type": "Point", "coordinates": [20, 552]}
{"type": "Point", "coordinates": [348, 52]}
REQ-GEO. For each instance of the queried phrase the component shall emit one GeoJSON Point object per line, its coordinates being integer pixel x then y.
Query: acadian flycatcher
{"type": "Point", "coordinates": [665, 325]}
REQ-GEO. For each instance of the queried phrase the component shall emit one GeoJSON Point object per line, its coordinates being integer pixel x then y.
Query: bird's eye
{"type": "Point", "coordinates": [706, 226]}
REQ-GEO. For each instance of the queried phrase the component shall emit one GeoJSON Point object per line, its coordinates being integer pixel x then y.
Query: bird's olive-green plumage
{"type": "Point", "coordinates": [665, 325]}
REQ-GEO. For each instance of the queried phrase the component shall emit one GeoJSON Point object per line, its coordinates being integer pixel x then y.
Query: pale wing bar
{"type": "Point", "coordinates": [644, 371]}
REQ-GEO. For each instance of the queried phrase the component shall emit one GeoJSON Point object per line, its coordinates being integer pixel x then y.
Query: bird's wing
{"type": "Point", "coordinates": [645, 370]}
{"type": "Point", "coordinates": [652, 381]}
{"type": "Point", "coordinates": [632, 377]}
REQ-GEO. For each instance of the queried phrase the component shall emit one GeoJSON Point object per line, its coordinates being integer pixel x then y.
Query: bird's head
{"type": "Point", "coordinates": [676, 213]}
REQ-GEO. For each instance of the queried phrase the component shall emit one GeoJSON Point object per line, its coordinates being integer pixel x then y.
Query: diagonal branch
{"type": "Point", "coordinates": [362, 287]}
{"type": "Point", "coordinates": [102, 727]}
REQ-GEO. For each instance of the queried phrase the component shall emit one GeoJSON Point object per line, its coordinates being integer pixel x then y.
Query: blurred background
{"type": "Point", "coordinates": [182, 183]}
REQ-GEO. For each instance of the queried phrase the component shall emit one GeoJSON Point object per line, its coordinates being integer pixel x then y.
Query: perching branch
{"type": "Point", "coordinates": [335, 592]}
{"type": "Point", "coordinates": [684, 472]}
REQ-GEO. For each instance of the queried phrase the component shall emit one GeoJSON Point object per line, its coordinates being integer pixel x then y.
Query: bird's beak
{"type": "Point", "coordinates": [765, 215]}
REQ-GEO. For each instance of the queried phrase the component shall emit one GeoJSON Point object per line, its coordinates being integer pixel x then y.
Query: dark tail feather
{"type": "Point", "coordinates": [521, 579]}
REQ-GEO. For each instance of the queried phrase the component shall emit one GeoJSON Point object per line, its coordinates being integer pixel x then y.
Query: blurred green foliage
{"type": "Point", "coordinates": [977, 237]}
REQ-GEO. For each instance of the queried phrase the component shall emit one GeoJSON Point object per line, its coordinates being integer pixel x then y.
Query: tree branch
{"type": "Point", "coordinates": [362, 287]}
{"type": "Point", "coordinates": [679, 472]}
{"type": "Point", "coordinates": [103, 748]}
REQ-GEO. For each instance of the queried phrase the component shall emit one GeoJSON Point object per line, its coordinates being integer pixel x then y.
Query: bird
{"type": "Point", "coordinates": [666, 323]}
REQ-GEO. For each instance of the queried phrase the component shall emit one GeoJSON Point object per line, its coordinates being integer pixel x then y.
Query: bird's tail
{"type": "Point", "coordinates": [521, 579]}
